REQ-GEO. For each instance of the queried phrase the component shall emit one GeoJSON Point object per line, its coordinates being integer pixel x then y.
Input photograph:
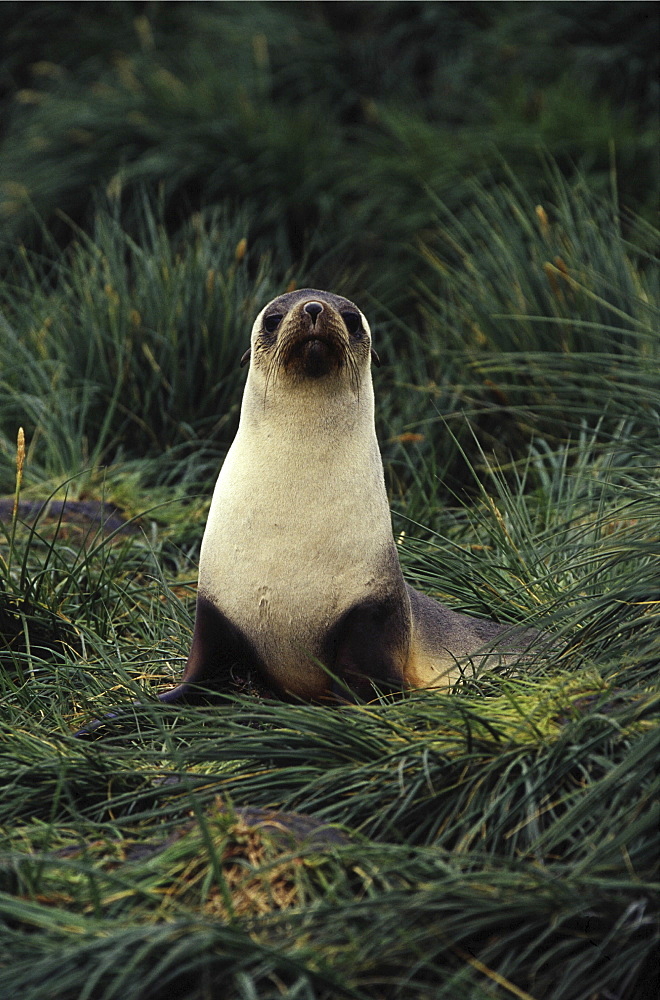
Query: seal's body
{"type": "Point", "coordinates": [299, 576]}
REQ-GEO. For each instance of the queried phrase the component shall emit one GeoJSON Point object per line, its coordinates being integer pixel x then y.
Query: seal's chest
{"type": "Point", "coordinates": [289, 580]}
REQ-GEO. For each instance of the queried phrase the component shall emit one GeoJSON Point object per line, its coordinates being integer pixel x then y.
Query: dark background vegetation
{"type": "Point", "coordinates": [482, 179]}
{"type": "Point", "coordinates": [331, 120]}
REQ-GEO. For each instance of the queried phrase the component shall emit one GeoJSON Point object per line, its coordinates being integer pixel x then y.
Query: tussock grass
{"type": "Point", "coordinates": [125, 347]}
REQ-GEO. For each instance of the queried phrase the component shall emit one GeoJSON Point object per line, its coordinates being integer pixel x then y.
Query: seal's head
{"type": "Point", "coordinates": [310, 334]}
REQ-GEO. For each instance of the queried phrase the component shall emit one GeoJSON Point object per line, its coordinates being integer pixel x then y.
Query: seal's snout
{"type": "Point", "coordinates": [309, 334]}
{"type": "Point", "coordinates": [313, 309]}
{"type": "Point", "coordinates": [312, 341]}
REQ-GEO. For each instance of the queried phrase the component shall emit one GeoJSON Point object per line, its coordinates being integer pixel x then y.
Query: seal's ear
{"type": "Point", "coordinates": [245, 358]}
{"type": "Point", "coordinates": [375, 358]}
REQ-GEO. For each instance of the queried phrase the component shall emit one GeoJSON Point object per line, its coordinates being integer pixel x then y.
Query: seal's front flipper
{"type": "Point", "coordinates": [368, 647]}
{"type": "Point", "coordinates": [217, 647]}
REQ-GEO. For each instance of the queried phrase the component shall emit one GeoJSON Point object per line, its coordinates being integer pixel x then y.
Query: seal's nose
{"type": "Point", "coordinates": [313, 309]}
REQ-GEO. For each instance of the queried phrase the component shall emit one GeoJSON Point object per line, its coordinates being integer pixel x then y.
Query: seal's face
{"type": "Point", "coordinates": [310, 334]}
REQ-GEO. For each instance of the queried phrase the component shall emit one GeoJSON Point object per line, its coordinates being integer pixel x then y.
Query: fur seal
{"type": "Point", "coordinates": [299, 577]}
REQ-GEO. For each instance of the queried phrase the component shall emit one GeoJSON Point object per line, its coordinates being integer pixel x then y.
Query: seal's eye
{"type": "Point", "coordinates": [272, 322]}
{"type": "Point", "coordinates": [352, 321]}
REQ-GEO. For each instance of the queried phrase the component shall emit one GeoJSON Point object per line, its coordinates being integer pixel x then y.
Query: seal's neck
{"type": "Point", "coordinates": [321, 415]}
{"type": "Point", "coordinates": [312, 450]}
